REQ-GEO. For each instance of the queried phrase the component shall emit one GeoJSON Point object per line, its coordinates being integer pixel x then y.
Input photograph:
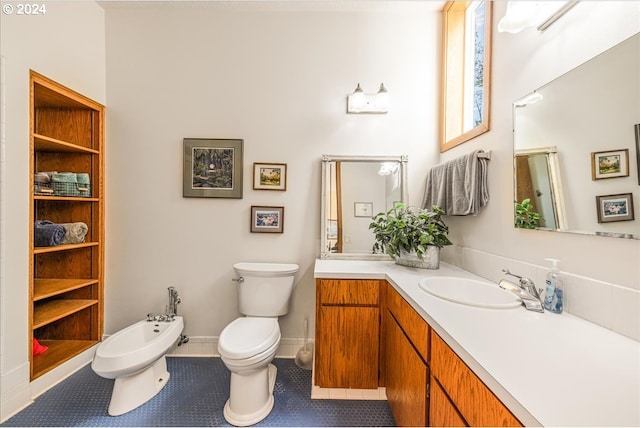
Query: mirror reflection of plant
{"type": "Point", "coordinates": [526, 217]}
{"type": "Point", "coordinates": [409, 229]}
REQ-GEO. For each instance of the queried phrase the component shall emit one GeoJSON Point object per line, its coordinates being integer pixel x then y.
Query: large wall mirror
{"type": "Point", "coordinates": [354, 189]}
{"type": "Point", "coordinates": [576, 148]}
{"type": "Point", "coordinates": [466, 71]}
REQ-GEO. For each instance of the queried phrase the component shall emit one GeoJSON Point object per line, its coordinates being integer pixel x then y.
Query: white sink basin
{"type": "Point", "coordinates": [470, 292]}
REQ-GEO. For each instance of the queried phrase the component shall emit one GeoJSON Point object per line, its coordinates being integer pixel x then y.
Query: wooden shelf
{"type": "Point", "coordinates": [65, 198]}
{"type": "Point", "coordinates": [48, 312]}
{"type": "Point", "coordinates": [47, 144]}
{"type": "Point", "coordinates": [49, 287]}
{"type": "Point", "coordinates": [59, 351]}
{"type": "Point", "coordinates": [67, 247]}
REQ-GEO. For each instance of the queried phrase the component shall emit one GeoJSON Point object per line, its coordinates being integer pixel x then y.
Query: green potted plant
{"type": "Point", "coordinates": [412, 236]}
{"type": "Point", "coordinates": [526, 217]}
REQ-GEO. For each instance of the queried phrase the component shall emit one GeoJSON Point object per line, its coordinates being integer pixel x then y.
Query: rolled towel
{"type": "Point", "coordinates": [75, 232]}
{"type": "Point", "coordinates": [47, 233]}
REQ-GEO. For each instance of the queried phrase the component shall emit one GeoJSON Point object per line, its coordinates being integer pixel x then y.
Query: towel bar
{"type": "Point", "coordinates": [485, 155]}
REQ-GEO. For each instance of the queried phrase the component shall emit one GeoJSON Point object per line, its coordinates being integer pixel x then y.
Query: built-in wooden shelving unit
{"type": "Point", "coordinates": [66, 286]}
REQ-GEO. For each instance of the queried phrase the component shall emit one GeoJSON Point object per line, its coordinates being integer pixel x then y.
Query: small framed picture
{"type": "Point", "coordinates": [610, 164]}
{"type": "Point", "coordinates": [615, 207]}
{"type": "Point", "coordinates": [267, 219]}
{"type": "Point", "coordinates": [332, 229]}
{"type": "Point", "coordinates": [269, 176]}
{"type": "Point", "coordinates": [212, 168]}
{"type": "Point", "coordinates": [363, 209]}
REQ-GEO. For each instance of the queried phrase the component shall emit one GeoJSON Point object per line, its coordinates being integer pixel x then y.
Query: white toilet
{"type": "Point", "coordinates": [248, 344]}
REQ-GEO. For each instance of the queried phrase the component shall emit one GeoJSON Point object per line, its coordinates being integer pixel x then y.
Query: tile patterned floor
{"type": "Point", "coordinates": [194, 397]}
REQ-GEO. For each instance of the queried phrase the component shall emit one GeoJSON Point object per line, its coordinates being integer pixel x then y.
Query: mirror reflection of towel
{"type": "Point", "coordinates": [458, 186]}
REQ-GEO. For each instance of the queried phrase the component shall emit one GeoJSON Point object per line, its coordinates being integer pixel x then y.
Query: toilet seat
{"type": "Point", "coordinates": [246, 337]}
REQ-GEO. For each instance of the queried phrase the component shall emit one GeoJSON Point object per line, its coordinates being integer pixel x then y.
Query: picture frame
{"type": "Point", "coordinates": [617, 207]}
{"type": "Point", "coordinates": [610, 164]}
{"type": "Point", "coordinates": [363, 209]}
{"type": "Point", "coordinates": [332, 229]}
{"type": "Point", "coordinates": [636, 131]}
{"type": "Point", "coordinates": [266, 219]}
{"type": "Point", "coordinates": [269, 176]}
{"type": "Point", "coordinates": [212, 168]}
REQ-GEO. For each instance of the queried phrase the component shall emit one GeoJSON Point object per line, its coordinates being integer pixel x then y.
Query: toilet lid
{"type": "Point", "coordinates": [248, 336]}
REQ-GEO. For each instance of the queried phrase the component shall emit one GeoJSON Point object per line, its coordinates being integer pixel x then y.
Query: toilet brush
{"type": "Point", "coordinates": [304, 357]}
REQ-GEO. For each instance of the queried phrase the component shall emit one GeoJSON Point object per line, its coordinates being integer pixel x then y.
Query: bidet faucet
{"type": "Point", "coordinates": [526, 284]}
{"type": "Point", "coordinates": [174, 299]}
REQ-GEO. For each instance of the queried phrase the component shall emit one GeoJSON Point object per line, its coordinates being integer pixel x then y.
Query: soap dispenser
{"type": "Point", "coordinates": [554, 294]}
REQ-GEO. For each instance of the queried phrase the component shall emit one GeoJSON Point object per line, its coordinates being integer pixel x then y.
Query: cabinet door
{"type": "Point", "coordinates": [442, 413]}
{"type": "Point", "coordinates": [347, 352]}
{"type": "Point", "coordinates": [476, 403]}
{"type": "Point", "coordinates": [407, 376]}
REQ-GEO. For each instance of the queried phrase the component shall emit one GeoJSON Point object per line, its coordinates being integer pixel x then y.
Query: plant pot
{"type": "Point", "coordinates": [430, 259]}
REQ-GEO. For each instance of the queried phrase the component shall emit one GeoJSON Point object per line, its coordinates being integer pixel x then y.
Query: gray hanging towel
{"type": "Point", "coordinates": [458, 186]}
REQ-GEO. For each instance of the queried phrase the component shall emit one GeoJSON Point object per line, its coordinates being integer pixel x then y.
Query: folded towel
{"type": "Point", "coordinates": [47, 233]}
{"type": "Point", "coordinates": [459, 186]}
{"type": "Point", "coordinates": [83, 178]}
{"type": "Point", "coordinates": [38, 348]}
{"type": "Point", "coordinates": [75, 232]}
{"type": "Point", "coordinates": [42, 177]}
{"type": "Point", "coordinates": [64, 177]}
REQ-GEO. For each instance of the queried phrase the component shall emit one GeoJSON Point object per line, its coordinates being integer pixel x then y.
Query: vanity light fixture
{"type": "Point", "coordinates": [359, 102]}
{"type": "Point", "coordinates": [540, 14]}
{"type": "Point", "coordinates": [531, 98]}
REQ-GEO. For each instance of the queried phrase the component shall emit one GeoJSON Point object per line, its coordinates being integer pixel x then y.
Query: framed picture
{"type": "Point", "coordinates": [363, 209]}
{"type": "Point", "coordinates": [267, 219]}
{"type": "Point", "coordinates": [610, 164]}
{"type": "Point", "coordinates": [615, 207]}
{"type": "Point", "coordinates": [212, 168]}
{"type": "Point", "coordinates": [270, 176]}
{"type": "Point", "coordinates": [332, 229]}
{"type": "Point", "coordinates": [636, 131]}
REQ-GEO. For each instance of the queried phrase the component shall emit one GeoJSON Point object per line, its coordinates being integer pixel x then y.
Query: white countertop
{"type": "Point", "coordinates": [548, 369]}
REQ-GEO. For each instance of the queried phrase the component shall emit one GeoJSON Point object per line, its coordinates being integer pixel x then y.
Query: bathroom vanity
{"type": "Point", "coordinates": [449, 364]}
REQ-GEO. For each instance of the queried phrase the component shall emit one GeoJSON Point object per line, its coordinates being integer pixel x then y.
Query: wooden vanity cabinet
{"type": "Point", "coordinates": [368, 335]}
{"type": "Point", "coordinates": [347, 333]}
{"type": "Point", "coordinates": [407, 368]}
{"type": "Point", "coordinates": [467, 393]}
{"type": "Point", "coordinates": [66, 281]}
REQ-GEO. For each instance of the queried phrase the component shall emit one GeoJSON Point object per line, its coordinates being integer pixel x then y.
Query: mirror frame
{"type": "Point", "coordinates": [404, 196]}
{"type": "Point", "coordinates": [452, 70]}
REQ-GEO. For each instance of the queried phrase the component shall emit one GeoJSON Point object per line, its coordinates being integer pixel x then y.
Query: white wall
{"type": "Point", "coordinates": [66, 44]}
{"type": "Point", "coordinates": [275, 74]}
{"type": "Point", "coordinates": [602, 275]}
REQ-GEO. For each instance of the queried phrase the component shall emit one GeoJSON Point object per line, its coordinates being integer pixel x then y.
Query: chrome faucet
{"type": "Point", "coordinates": [530, 295]}
{"type": "Point", "coordinates": [174, 299]}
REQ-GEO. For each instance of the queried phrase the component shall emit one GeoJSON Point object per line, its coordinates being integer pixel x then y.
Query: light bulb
{"type": "Point", "coordinates": [358, 99]}
{"type": "Point", "coordinates": [382, 98]}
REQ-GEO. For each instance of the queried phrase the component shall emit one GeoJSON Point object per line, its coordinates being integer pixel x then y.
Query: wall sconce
{"type": "Point", "coordinates": [359, 102]}
{"type": "Point", "coordinates": [388, 168]}
{"type": "Point", "coordinates": [540, 14]}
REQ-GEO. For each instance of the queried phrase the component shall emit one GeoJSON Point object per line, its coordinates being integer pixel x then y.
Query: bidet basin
{"type": "Point", "coordinates": [470, 292]}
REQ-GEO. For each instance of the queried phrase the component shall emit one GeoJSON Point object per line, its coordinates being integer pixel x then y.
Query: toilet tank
{"type": "Point", "coordinates": [265, 289]}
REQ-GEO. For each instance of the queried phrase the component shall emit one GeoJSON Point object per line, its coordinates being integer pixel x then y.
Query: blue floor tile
{"type": "Point", "coordinates": [194, 397]}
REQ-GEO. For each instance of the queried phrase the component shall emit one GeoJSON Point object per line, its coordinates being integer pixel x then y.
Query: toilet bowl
{"type": "Point", "coordinates": [135, 358]}
{"type": "Point", "coordinates": [248, 344]}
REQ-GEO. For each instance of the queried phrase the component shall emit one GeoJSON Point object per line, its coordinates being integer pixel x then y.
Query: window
{"type": "Point", "coordinates": [466, 71]}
